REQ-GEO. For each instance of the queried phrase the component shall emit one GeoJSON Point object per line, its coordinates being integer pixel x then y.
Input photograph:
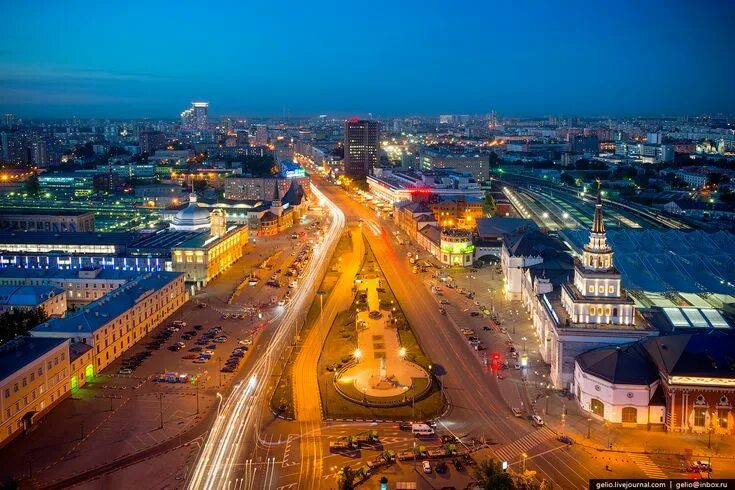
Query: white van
{"type": "Point", "coordinates": [422, 430]}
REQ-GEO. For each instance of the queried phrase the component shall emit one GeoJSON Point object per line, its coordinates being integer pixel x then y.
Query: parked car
{"type": "Point", "coordinates": [517, 412]}
{"type": "Point", "coordinates": [457, 464]}
{"type": "Point", "coordinates": [125, 371]}
{"type": "Point", "coordinates": [441, 467]}
{"type": "Point", "coordinates": [427, 466]}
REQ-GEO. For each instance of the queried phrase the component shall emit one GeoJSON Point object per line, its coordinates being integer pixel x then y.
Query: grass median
{"type": "Point", "coordinates": [340, 346]}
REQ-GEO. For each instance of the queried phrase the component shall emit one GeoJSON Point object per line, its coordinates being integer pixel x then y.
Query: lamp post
{"type": "Point", "coordinates": [589, 426]}
{"type": "Point", "coordinates": [321, 294]}
{"type": "Point", "coordinates": [219, 402]}
{"type": "Point", "coordinates": [524, 345]}
{"type": "Point", "coordinates": [523, 461]}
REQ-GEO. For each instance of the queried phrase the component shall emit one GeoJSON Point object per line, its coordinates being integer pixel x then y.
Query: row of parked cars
{"type": "Point", "coordinates": [233, 363]}
{"type": "Point", "coordinates": [130, 364]}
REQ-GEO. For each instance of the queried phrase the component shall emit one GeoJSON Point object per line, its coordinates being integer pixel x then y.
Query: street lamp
{"type": "Point", "coordinates": [219, 401]}
{"type": "Point", "coordinates": [523, 461]}
{"type": "Point", "coordinates": [357, 354]}
{"type": "Point", "coordinates": [402, 352]}
{"type": "Point", "coordinates": [524, 344]}
{"type": "Point", "coordinates": [589, 422]}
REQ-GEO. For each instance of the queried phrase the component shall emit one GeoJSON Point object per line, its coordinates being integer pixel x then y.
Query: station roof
{"type": "Point", "coordinates": [499, 226]}
{"type": "Point", "coordinates": [670, 260]}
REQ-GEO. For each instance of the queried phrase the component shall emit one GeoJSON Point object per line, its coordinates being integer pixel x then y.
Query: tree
{"type": "Point", "coordinates": [717, 178]}
{"type": "Point", "coordinates": [489, 204]}
{"type": "Point", "coordinates": [490, 475]}
{"type": "Point", "coordinates": [33, 187]}
{"type": "Point", "coordinates": [15, 323]}
{"type": "Point", "coordinates": [346, 479]}
{"type": "Point", "coordinates": [567, 179]}
{"type": "Point", "coordinates": [200, 186]}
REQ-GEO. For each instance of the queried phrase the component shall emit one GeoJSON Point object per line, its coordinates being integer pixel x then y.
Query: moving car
{"type": "Point", "coordinates": [537, 420]}
{"type": "Point", "coordinates": [517, 412]}
{"type": "Point", "coordinates": [565, 439]}
{"type": "Point", "coordinates": [125, 371]}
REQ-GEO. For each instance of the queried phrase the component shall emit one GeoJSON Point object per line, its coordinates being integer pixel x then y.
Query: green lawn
{"type": "Point", "coordinates": [341, 343]}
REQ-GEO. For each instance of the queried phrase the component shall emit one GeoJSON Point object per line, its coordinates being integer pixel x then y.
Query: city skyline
{"type": "Point", "coordinates": [408, 59]}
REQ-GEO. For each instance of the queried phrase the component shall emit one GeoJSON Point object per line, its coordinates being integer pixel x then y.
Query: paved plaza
{"type": "Point", "coordinates": [381, 370]}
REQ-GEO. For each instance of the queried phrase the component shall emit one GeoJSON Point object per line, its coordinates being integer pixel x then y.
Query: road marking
{"type": "Point", "coordinates": [649, 468]}
{"type": "Point", "coordinates": [525, 443]}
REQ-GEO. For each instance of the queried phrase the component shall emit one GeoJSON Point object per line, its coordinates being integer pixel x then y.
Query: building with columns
{"type": "Point", "coordinates": [596, 295]}
{"type": "Point", "coordinates": [572, 315]}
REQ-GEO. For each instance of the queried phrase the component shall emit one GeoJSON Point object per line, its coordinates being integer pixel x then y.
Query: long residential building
{"type": "Point", "coordinates": [113, 323]}
{"type": "Point", "coordinates": [393, 185]}
{"type": "Point", "coordinates": [80, 286]}
{"type": "Point", "coordinates": [46, 220]}
{"type": "Point", "coordinates": [34, 377]}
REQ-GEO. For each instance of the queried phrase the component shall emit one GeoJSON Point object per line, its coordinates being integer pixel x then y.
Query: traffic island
{"type": "Point", "coordinates": [372, 367]}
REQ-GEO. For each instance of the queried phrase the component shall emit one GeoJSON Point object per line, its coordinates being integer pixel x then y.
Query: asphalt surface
{"type": "Point", "coordinates": [477, 404]}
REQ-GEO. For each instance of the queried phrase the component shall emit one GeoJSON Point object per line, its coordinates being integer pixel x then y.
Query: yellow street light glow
{"type": "Point", "coordinates": [358, 354]}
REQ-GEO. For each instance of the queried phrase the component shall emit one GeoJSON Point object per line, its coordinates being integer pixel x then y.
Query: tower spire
{"type": "Point", "coordinates": [598, 225]}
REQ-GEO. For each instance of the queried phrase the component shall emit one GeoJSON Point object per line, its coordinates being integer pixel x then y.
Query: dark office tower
{"type": "Point", "coordinates": [362, 140]}
{"type": "Point", "coordinates": [150, 141]}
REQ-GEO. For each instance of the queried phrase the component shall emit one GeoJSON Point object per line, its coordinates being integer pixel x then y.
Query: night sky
{"type": "Point", "coordinates": [260, 58]}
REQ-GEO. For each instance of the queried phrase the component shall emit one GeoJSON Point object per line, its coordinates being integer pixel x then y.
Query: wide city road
{"type": "Point", "coordinates": [477, 406]}
{"type": "Point", "coordinates": [226, 459]}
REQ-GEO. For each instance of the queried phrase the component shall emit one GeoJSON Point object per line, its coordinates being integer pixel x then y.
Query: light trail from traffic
{"type": "Point", "coordinates": [217, 464]}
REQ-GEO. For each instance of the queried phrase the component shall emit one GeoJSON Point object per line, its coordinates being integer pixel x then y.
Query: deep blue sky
{"type": "Point", "coordinates": [250, 58]}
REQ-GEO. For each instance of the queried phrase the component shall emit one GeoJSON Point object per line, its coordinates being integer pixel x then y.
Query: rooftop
{"type": "Point", "coordinates": [670, 260]}
{"type": "Point", "coordinates": [27, 295]}
{"type": "Point", "coordinates": [27, 273]}
{"type": "Point", "coordinates": [43, 212]}
{"type": "Point", "coordinates": [497, 226]}
{"type": "Point", "coordinates": [21, 351]}
{"type": "Point", "coordinates": [623, 364]}
{"type": "Point", "coordinates": [89, 318]}
{"type": "Point", "coordinates": [710, 354]}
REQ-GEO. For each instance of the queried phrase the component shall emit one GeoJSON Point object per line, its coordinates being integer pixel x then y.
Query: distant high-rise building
{"type": "Point", "coordinates": [196, 117]}
{"type": "Point", "coordinates": [261, 135]}
{"type": "Point", "coordinates": [9, 120]}
{"type": "Point", "coordinates": [150, 141]}
{"type": "Point", "coordinates": [40, 154]}
{"type": "Point", "coordinates": [362, 140]}
{"type": "Point", "coordinates": [446, 119]}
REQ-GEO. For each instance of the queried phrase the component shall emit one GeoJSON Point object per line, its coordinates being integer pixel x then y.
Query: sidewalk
{"type": "Point", "coordinates": [591, 432]}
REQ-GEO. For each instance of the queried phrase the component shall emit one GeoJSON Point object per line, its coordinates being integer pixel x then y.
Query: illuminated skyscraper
{"type": "Point", "coordinates": [196, 117]}
{"type": "Point", "coordinates": [362, 139]}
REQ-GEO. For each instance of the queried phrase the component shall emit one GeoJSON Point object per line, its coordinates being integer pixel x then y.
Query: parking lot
{"type": "Point", "coordinates": [166, 383]}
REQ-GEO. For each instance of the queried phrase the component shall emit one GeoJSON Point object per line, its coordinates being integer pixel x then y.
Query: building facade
{"type": "Point", "coordinates": [42, 220]}
{"type": "Point", "coordinates": [34, 378]}
{"type": "Point", "coordinates": [362, 143]}
{"type": "Point", "coordinates": [115, 322]}
{"type": "Point", "coordinates": [50, 299]}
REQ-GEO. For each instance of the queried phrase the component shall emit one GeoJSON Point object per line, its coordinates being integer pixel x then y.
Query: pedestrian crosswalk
{"type": "Point", "coordinates": [649, 468]}
{"type": "Point", "coordinates": [510, 452]}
